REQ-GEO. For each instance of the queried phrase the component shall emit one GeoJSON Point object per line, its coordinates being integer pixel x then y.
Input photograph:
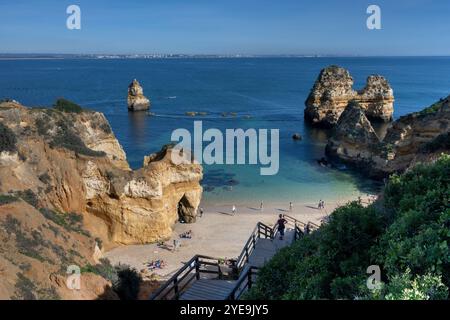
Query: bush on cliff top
{"type": "Point", "coordinates": [8, 139]}
{"type": "Point", "coordinates": [407, 234]}
{"type": "Point", "coordinates": [65, 105]}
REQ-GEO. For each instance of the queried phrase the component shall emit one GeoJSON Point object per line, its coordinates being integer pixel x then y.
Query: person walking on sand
{"type": "Point", "coordinates": [319, 206]}
{"type": "Point", "coordinates": [261, 207]}
{"type": "Point", "coordinates": [281, 223]}
{"type": "Point", "coordinates": [201, 212]}
{"type": "Point", "coordinates": [233, 210]}
{"type": "Point", "coordinates": [290, 206]}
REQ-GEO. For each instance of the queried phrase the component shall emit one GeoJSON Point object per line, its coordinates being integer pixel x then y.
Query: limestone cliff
{"type": "Point", "coordinates": [416, 137]}
{"type": "Point", "coordinates": [136, 99]}
{"type": "Point", "coordinates": [72, 162]}
{"type": "Point", "coordinates": [333, 90]}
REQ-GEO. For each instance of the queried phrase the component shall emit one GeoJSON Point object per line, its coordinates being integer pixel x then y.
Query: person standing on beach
{"type": "Point", "coordinates": [281, 223]}
{"type": "Point", "coordinates": [319, 206]}
{"type": "Point", "coordinates": [201, 212]}
{"type": "Point", "coordinates": [233, 210]}
{"type": "Point", "coordinates": [261, 207]}
{"type": "Point", "coordinates": [290, 206]}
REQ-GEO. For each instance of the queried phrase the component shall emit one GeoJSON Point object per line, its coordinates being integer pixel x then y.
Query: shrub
{"type": "Point", "coordinates": [125, 280]}
{"type": "Point", "coordinates": [28, 196]}
{"type": "Point", "coordinates": [406, 234]}
{"type": "Point", "coordinates": [8, 139]}
{"type": "Point", "coordinates": [24, 288]}
{"type": "Point", "coordinates": [67, 139]}
{"type": "Point", "coordinates": [65, 105]}
{"type": "Point", "coordinates": [128, 284]}
{"type": "Point", "coordinates": [6, 199]}
{"type": "Point", "coordinates": [69, 221]}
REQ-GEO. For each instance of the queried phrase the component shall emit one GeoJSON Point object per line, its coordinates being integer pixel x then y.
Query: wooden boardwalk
{"type": "Point", "coordinates": [210, 289]}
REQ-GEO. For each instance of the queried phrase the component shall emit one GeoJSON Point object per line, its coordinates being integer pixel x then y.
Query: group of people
{"type": "Point", "coordinates": [156, 264]}
{"type": "Point", "coordinates": [186, 235]}
{"type": "Point", "coordinates": [321, 204]}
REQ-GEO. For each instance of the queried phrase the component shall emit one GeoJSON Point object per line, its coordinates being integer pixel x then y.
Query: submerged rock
{"type": "Point", "coordinates": [136, 99]}
{"type": "Point", "coordinates": [333, 90]}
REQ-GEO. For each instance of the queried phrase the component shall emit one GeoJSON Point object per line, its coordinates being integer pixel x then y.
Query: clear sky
{"type": "Point", "coordinates": [333, 27]}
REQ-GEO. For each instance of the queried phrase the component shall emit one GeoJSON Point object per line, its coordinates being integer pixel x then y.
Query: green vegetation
{"type": "Point", "coordinates": [6, 199]}
{"type": "Point", "coordinates": [125, 280]}
{"type": "Point", "coordinates": [24, 288]}
{"type": "Point", "coordinates": [433, 108]}
{"type": "Point", "coordinates": [8, 139]}
{"type": "Point", "coordinates": [67, 139]}
{"type": "Point", "coordinates": [406, 233]}
{"type": "Point", "coordinates": [69, 221]}
{"type": "Point", "coordinates": [65, 105]}
{"type": "Point", "coordinates": [28, 196]}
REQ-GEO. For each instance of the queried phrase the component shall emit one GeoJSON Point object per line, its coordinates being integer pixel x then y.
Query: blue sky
{"type": "Point", "coordinates": [333, 27]}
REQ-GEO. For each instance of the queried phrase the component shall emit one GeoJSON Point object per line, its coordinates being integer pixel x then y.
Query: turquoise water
{"type": "Point", "coordinates": [271, 91]}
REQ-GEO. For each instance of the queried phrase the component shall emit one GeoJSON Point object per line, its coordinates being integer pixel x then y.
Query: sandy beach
{"type": "Point", "coordinates": [217, 234]}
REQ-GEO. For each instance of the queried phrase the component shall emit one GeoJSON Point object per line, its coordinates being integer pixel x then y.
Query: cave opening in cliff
{"type": "Point", "coordinates": [186, 212]}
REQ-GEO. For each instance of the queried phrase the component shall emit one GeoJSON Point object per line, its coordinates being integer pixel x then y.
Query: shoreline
{"type": "Point", "coordinates": [217, 234]}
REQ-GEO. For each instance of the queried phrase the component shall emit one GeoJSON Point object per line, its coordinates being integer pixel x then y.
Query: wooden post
{"type": "Point", "coordinates": [175, 286]}
{"type": "Point", "coordinates": [197, 268]}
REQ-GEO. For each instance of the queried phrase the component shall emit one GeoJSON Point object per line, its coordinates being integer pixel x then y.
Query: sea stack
{"type": "Point", "coordinates": [333, 90]}
{"type": "Point", "coordinates": [136, 99]}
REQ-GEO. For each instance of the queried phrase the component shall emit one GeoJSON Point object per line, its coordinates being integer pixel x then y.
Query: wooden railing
{"type": "Point", "coordinates": [244, 283]}
{"type": "Point", "coordinates": [199, 264]}
{"type": "Point", "coordinates": [261, 231]}
{"type": "Point", "coordinates": [190, 272]}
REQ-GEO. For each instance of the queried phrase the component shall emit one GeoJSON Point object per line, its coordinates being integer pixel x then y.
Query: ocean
{"type": "Point", "coordinates": [266, 93]}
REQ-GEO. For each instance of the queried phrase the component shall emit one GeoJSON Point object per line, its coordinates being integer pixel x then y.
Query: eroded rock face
{"type": "Point", "coordinates": [353, 137]}
{"type": "Point", "coordinates": [136, 99]}
{"type": "Point", "coordinates": [73, 163]}
{"type": "Point", "coordinates": [333, 90]}
{"type": "Point", "coordinates": [417, 137]}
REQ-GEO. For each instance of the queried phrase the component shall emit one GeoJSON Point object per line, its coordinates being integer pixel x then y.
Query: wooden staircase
{"type": "Point", "coordinates": [207, 278]}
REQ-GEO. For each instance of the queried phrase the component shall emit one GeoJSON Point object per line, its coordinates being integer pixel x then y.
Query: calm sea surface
{"type": "Point", "coordinates": [271, 91]}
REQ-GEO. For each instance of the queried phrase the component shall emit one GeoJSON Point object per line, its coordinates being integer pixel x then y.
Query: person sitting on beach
{"type": "Point", "coordinates": [186, 235]}
{"type": "Point", "coordinates": [281, 223]}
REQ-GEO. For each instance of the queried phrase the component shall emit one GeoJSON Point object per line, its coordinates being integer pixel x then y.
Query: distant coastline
{"type": "Point", "coordinates": [100, 56]}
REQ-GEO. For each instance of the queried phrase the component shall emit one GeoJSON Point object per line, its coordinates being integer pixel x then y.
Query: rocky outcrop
{"type": "Point", "coordinates": [333, 90]}
{"type": "Point", "coordinates": [76, 164]}
{"type": "Point", "coordinates": [416, 137]}
{"type": "Point", "coordinates": [353, 137]}
{"type": "Point", "coordinates": [36, 249]}
{"type": "Point", "coordinates": [136, 99]}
